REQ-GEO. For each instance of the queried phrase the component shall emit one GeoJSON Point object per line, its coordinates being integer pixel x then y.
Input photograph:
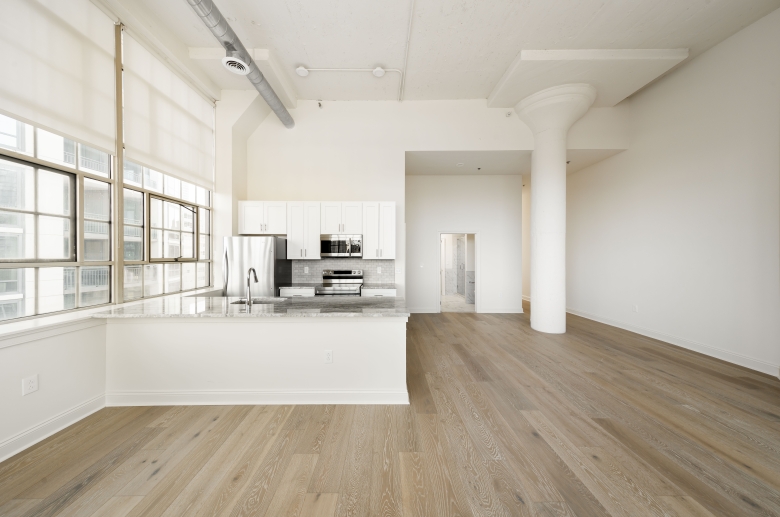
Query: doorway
{"type": "Point", "coordinates": [457, 273]}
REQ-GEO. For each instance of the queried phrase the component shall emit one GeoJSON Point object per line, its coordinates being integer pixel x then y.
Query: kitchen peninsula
{"type": "Point", "coordinates": [210, 350]}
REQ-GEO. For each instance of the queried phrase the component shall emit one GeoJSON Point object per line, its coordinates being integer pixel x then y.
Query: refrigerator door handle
{"type": "Point", "coordinates": [225, 275]}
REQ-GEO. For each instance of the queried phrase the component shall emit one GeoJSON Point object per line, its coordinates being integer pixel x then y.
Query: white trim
{"type": "Point", "coordinates": [35, 434]}
{"type": "Point", "coordinates": [23, 336]}
{"type": "Point", "coordinates": [244, 397]}
{"type": "Point", "coordinates": [718, 353]}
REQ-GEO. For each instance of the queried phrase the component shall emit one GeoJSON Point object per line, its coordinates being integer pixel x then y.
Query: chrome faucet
{"type": "Point", "coordinates": [249, 286]}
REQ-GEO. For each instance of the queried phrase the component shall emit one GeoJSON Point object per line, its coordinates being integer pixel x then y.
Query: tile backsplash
{"type": "Point", "coordinates": [369, 267]}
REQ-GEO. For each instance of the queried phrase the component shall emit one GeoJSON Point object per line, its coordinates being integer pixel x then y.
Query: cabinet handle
{"type": "Point", "coordinates": [304, 253]}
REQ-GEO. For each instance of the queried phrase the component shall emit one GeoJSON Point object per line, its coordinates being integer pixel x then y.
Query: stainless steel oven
{"type": "Point", "coordinates": [338, 245]}
{"type": "Point", "coordinates": [343, 282]}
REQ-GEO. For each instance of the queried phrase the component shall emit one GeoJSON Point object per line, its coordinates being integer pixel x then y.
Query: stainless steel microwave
{"type": "Point", "coordinates": [337, 245]}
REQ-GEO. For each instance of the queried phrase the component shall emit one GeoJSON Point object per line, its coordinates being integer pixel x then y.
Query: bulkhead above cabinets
{"type": "Point", "coordinates": [304, 221]}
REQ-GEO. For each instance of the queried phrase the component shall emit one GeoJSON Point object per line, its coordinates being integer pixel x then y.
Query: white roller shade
{"type": "Point", "coordinates": [57, 67]}
{"type": "Point", "coordinates": [168, 125]}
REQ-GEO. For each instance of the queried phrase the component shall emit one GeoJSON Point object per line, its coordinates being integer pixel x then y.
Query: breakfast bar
{"type": "Point", "coordinates": [213, 350]}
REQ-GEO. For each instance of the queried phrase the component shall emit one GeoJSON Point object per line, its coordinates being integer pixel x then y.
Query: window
{"type": "Point", "coordinates": [56, 235]}
{"type": "Point", "coordinates": [55, 223]}
{"type": "Point", "coordinates": [36, 227]}
{"type": "Point", "coordinates": [178, 234]}
{"type": "Point", "coordinates": [97, 214]}
{"type": "Point", "coordinates": [15, 136]}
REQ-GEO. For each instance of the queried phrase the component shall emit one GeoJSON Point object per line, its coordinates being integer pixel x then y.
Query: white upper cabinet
{"type": "Point", "coordinates": [379, 230]}
{"type": "Point", "coordinates": [346, 217]}
{"type": "Point", "coordinates": [311, 214]}
{"type": "Point", "coordinates": [352, 218]}
{"type": "Point", "coordinates": [251, 218]}
{"type": "Point", "coordinates": [275, 217]}
{"type": "Point", "coordinates": [330, 221]}
{"type": "Point", "coordinates": [296, 233]}
{"type": "Point", "coordinates": [387, 230]}
{"type": "Point", "coordinates": [262, 218]}
{"type": "Point", "coordinates": [303, 230]}
{"type": "Point", "coordinates": [371, 230]}
{"type": "Point", "coordinates": [303, 222]}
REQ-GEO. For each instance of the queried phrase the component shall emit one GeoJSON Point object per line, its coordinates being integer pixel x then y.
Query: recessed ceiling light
{"type": "Point", "coordinates": [458, 165]}
{"type": "Point", "coordinates": [301, 71]}
{"type": "Point", "coordinates": [378, 71]}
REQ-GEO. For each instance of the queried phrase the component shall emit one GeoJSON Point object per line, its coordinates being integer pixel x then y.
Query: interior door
{"type": "Point", "coordinates": [250, 218]}
{"type": "Point", "coordinates": [275, 217]}
{"type": "Point", "coordinates": [311, 248]}
{"type": "Point", "coordinates": [371, 242]}
{"type": "Point", "coordinates": [352, 218]}
{"type": "Point", "coordinates": [330, 220]}
{"type": "Point", "coordinates": [296, 235]}
{"type": "Point", "coordinates": [387, 230]}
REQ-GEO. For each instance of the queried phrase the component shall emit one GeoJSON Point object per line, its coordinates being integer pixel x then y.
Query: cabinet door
{"type": "Point", "coordinates": [330, 222]}
{"type": "Point", "coordinates": [352, 218]}
{"type": "Point", "coordinates": [275, 217]}
{"type": "Point", "coordinates": [370, 231]}
{"type": "Point", "coordinates": [250, 217]}
{"type": "Point", "coordinates": [311, 247]}
{"type": "Point", "coordinates": [387, 230]}
{"type": "Point", "coordinates": [296, 234]}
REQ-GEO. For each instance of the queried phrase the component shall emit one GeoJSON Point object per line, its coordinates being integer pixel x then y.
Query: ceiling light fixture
{"type": "Point", "coordinates": [301, 71]}
{"type": "Point", "coordinates": [378, 71]}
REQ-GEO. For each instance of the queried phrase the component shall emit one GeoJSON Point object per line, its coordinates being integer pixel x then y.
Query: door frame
{"type": "Point", "coordinates": [477, 262]}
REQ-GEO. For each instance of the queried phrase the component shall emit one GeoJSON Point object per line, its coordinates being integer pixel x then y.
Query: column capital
{"type": "Point", "coordinates": [556, 108]}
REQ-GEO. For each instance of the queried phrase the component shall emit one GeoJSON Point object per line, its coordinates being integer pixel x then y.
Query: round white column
{"type": "Point", "coordinates": [550, 113]}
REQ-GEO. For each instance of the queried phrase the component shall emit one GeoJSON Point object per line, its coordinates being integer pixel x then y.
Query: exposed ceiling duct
{"type": "Point", "coordinates": [237, 56]}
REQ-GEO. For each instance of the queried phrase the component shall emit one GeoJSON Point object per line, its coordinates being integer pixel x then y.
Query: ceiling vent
{"type": "Point", "coordinates": [235, 64]}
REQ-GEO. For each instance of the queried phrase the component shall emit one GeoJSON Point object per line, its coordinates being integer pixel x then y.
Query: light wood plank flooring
{"type": "Point", "coordinates": [502, 421]}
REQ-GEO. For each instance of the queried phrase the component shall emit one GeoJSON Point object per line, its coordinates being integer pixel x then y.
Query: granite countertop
{"type": "Point", "coordinates": [217, 307]}
{"type": "Point", "coordinates": [378, 286]}
{"type": "Point", "coordinates": [300, 286]}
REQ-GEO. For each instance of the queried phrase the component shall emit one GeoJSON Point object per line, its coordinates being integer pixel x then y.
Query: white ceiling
{"type": "Point", "coordinates": [500, 163]}
{"type": "Point", "coordinates": [458, 49]}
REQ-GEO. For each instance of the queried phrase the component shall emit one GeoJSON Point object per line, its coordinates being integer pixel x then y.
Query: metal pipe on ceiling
{"type": "Point", "coordinates": [224, 33]}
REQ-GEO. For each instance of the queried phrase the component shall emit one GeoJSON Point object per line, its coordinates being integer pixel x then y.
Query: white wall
{"type": "Point", "coordinates": [686, 223]}
{"type": "Point", "coordinates": [70, 361]}
{"type": "Point", "coordinates": [354, 151]}
{"type": "Point", "coordinates": [236, 113]}
{"type": "Point", "coordinates": [488, 206]}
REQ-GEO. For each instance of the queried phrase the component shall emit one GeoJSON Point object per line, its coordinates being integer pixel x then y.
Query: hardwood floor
{"type": "Point", "coordinates": [503, 421]}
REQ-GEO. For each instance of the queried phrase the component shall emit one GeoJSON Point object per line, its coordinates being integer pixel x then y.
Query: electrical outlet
{"type": "Point", "coordinates": [29, 384]}
{"type": "Point", "coordinates": [328, 356]}
{"type": "Point", "coordinates": [379, 270]}
{"type": "Point", "coordinates": [305, 270]}
{"type": "Point", "coordinates": [635, 308]}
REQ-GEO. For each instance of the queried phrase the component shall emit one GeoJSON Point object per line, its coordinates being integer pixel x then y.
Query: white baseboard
{"type": "Point", "coordinates": [236, 397]}
{"type": "Point", "coordinates": [35, 434]}
{"type": "Point", "coordinates": [725, 355]}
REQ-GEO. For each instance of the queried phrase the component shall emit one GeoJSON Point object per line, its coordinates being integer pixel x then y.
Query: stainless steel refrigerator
{"type": "Point", "coordinates": [268, 255]}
